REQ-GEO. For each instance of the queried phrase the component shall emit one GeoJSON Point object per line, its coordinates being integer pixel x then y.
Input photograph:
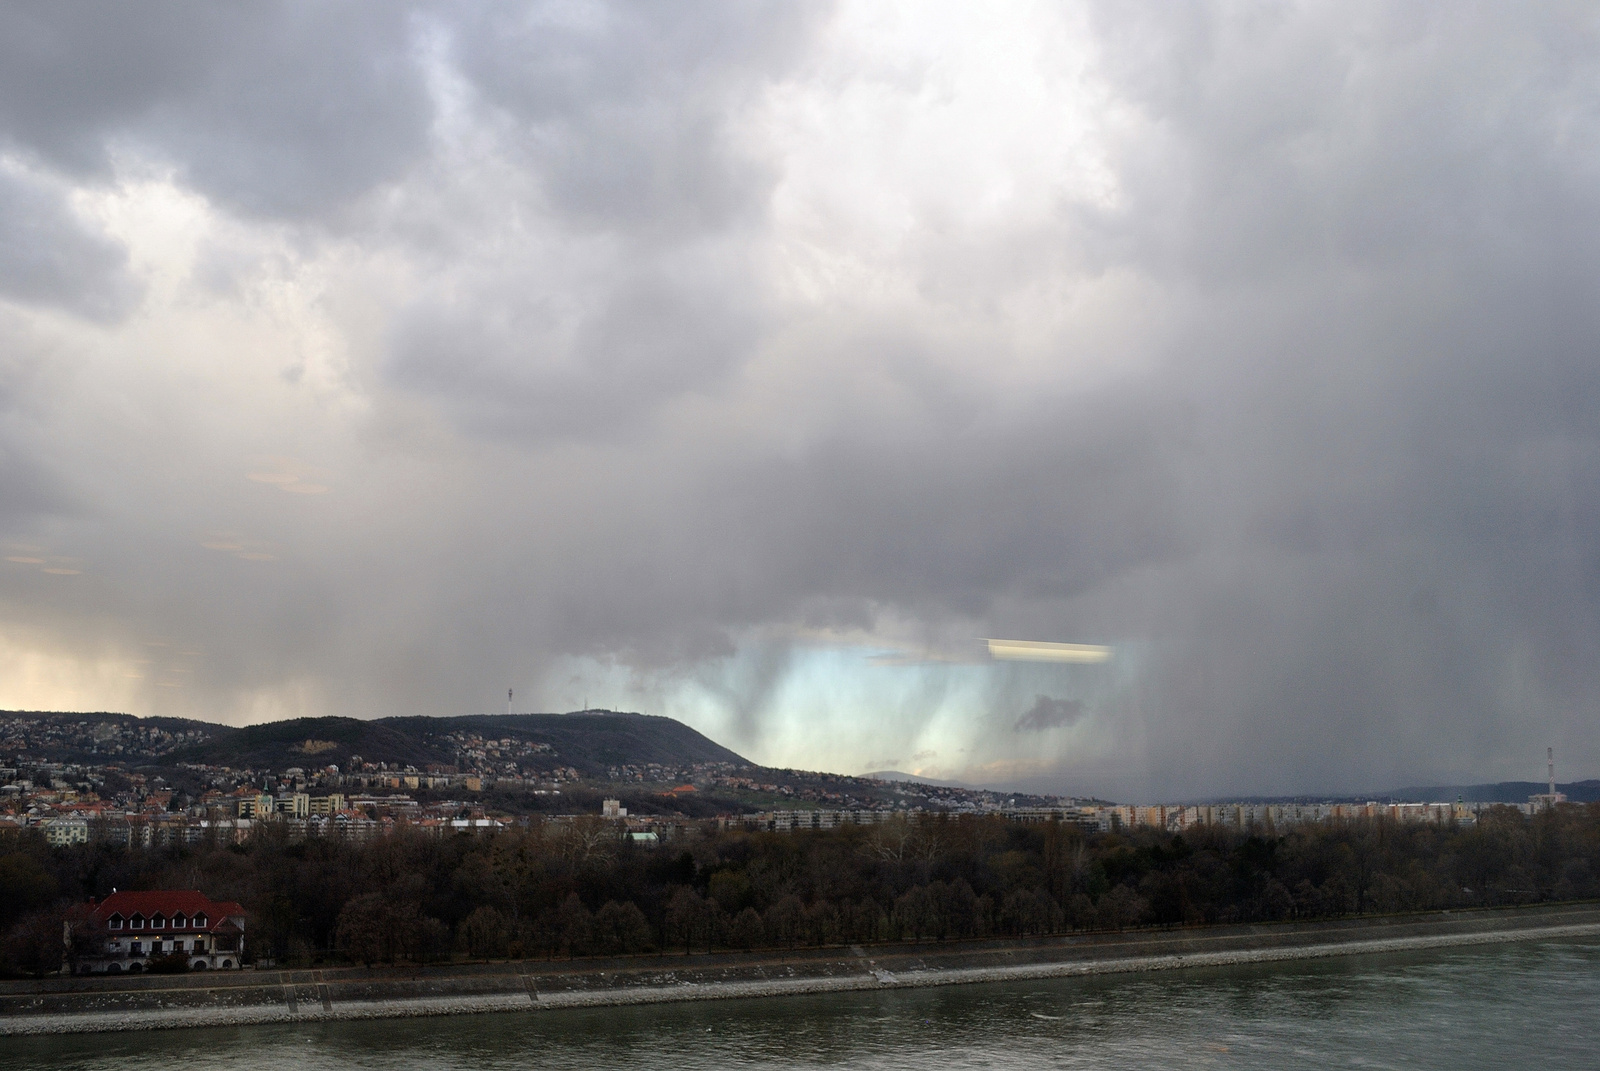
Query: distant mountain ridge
{"type": "Point", "coordinates": [901, 777]}
{"type": "Point", "coordinates": [590, 741]}
{"type": "Point", "coordinates": [1499, 792]}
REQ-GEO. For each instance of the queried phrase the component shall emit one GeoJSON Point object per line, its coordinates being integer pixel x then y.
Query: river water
{"type": "Point", "coordinates": [1495, 1006]}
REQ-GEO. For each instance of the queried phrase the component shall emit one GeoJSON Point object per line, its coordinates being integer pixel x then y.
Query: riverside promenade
{"type": "Point", "coordinates": [90, 1004]}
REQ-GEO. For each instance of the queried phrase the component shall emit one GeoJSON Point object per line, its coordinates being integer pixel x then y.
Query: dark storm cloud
{"type": "Point", "coordinates": [1354, 510]}
{"type": "Point", "coordinates": [1048, 713]}
{"type": "Point", "coordinates": [534, 366]}
{"type": "Point", "coordinates": [1393, 386]}
{"type": "Point", "coordinates": [276, 108]}
{"type": "Point", "coordinates": [627, 107]}
{"type": "Point", "coordinates": [636, 284]}
{"type": "Point", "coordinates": [1322, 459]}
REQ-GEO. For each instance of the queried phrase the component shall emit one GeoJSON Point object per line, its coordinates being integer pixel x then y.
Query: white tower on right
{"type": "Point", "coordinates": [1543, 801]}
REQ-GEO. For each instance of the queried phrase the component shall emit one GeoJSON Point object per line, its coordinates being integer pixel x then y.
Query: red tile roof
{"type": "Point", "coordinates": [166, 902]}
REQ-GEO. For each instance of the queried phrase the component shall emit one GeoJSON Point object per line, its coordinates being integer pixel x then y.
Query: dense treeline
{"type": "Point", "coordinates": [575, 888]}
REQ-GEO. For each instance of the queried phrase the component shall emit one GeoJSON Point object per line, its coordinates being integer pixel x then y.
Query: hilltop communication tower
{"type": "Point", "coordinates": [1547, 800]}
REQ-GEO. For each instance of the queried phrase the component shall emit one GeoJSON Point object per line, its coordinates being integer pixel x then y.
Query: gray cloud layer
{"type": "Point", "coordinates": [278, 108]}
{"type": "Point", "coordinates": [634, 344]}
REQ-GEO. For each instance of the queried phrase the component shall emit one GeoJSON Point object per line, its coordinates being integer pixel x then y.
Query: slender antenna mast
{"type": "Point", "coordinates": [1550, 753]}
{"type": "Point", "coordinates": [508, 702]}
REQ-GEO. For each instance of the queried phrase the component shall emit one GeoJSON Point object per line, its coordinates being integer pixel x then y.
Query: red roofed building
{"type": "Point", "coordinates": [122, 932]}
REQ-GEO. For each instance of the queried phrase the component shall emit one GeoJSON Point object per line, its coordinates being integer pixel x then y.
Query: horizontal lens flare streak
{"type": "Point", "coordinates": [1043, 651]}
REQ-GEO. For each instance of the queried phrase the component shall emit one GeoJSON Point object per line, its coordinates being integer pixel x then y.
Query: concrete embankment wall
{"type": "Point", "coordinates": [80, 1004]}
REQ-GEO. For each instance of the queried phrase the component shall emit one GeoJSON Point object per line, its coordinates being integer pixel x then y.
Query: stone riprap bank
{"type": "Point", "coordinates": [82, 1005]}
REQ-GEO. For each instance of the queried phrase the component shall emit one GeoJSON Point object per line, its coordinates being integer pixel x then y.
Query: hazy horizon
{"type": "Point", "coordinates": [754, 364]}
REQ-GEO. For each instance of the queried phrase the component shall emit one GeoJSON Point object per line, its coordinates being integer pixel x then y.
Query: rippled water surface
{"type": "Point", "coordinates": [1489, 1007]}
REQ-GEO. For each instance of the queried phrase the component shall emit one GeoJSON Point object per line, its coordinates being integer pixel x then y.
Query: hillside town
{"type": "Point", "coordinates": [126, 790]}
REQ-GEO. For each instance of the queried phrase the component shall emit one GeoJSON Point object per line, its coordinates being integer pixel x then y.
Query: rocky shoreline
{"type": "Point", "coordinates": [86, 1005]}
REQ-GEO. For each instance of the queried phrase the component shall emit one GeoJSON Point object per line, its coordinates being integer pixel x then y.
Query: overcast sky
{"type": "Point", "coordinates": [749, 363]}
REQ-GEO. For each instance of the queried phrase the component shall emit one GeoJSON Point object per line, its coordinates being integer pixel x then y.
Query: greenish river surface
{"type": "Point", "coordinates": [1533, 1003]}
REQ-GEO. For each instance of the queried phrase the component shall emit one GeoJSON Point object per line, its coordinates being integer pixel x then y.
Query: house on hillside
{"type": "Point", "coordinates": [122, 932]}
{"type": "Point", "coordinates": [61, 832]}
